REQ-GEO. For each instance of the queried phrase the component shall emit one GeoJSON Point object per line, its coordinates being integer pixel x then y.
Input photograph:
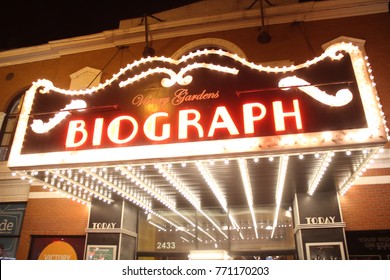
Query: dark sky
{"type": "Point", "coordinates": [28, 23]}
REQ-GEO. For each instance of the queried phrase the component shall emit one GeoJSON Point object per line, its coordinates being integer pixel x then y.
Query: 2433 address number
{"type": "Point", "coordinates": [166, 245]}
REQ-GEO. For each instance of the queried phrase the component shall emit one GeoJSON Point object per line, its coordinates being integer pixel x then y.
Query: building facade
{"type": "Point", "coordinates": [218, 189]}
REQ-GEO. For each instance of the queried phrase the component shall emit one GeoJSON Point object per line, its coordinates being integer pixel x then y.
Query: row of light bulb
{"type": "Point", "coordinates": [33, 174]}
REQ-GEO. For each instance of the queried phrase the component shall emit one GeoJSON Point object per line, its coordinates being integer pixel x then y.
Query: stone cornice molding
{"type": "Point", "coordinates": [306, 11]}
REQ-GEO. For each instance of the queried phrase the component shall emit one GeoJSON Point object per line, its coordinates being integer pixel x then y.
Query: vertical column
{"type": "Point", "coordinates": [112, 230]}
{"type": "Point", "coordinates": [319, 229]}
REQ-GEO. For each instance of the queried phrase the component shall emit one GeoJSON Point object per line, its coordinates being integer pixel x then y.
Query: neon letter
{"type": "Point", "coordinates": [226, 122]}
{"type": "Point", "coordinates": [250, 118]}
{"type": "Point", "coordinates": [97, 132]}
{"type": "Point", "coordinates": [185, 122]}
{"type": "Point", "coordinates": [279, 115]}
{"type": "Point", "coordinates": [74, 128]}
{"type": "Point", "coordinates": [113, 129]}
{"type": "Point", "coordinates": [150, 127]}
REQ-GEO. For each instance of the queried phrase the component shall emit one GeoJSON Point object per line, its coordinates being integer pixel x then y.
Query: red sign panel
{"type": "Point", "coordinates": [209, 102]}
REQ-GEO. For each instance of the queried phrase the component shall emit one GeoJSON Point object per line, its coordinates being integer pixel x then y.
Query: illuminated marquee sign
{"type": "Point", "coordinates": [209, 102]}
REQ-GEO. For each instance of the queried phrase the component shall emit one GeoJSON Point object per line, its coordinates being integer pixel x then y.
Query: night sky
{"type": "Point", "coordinates": [30, 23]}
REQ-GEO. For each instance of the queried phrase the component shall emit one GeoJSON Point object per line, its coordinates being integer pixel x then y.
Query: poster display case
{"type": "Point", "coordinates": [101, 252]}
{"type": "Point", "coordinates": [325, 251]}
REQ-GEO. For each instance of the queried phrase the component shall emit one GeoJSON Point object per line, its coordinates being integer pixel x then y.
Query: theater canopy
{"type": "Point", "coordinates": [210, 129]}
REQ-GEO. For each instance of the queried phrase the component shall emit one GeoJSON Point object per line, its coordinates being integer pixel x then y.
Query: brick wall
{"type": "Point", "coordinates": [366, 207]}
{"type": "Point", "coordinates": [51, 216]}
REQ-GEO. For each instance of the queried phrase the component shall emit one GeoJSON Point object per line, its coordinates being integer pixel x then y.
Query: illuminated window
{"type": "Point", "coordinates": [9, 125]}
{"type": "Point", "coordinates": [209, 43]}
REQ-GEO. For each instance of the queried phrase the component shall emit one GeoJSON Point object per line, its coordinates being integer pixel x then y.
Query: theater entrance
{"type": "Point", "coordinates": [218, 235]}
